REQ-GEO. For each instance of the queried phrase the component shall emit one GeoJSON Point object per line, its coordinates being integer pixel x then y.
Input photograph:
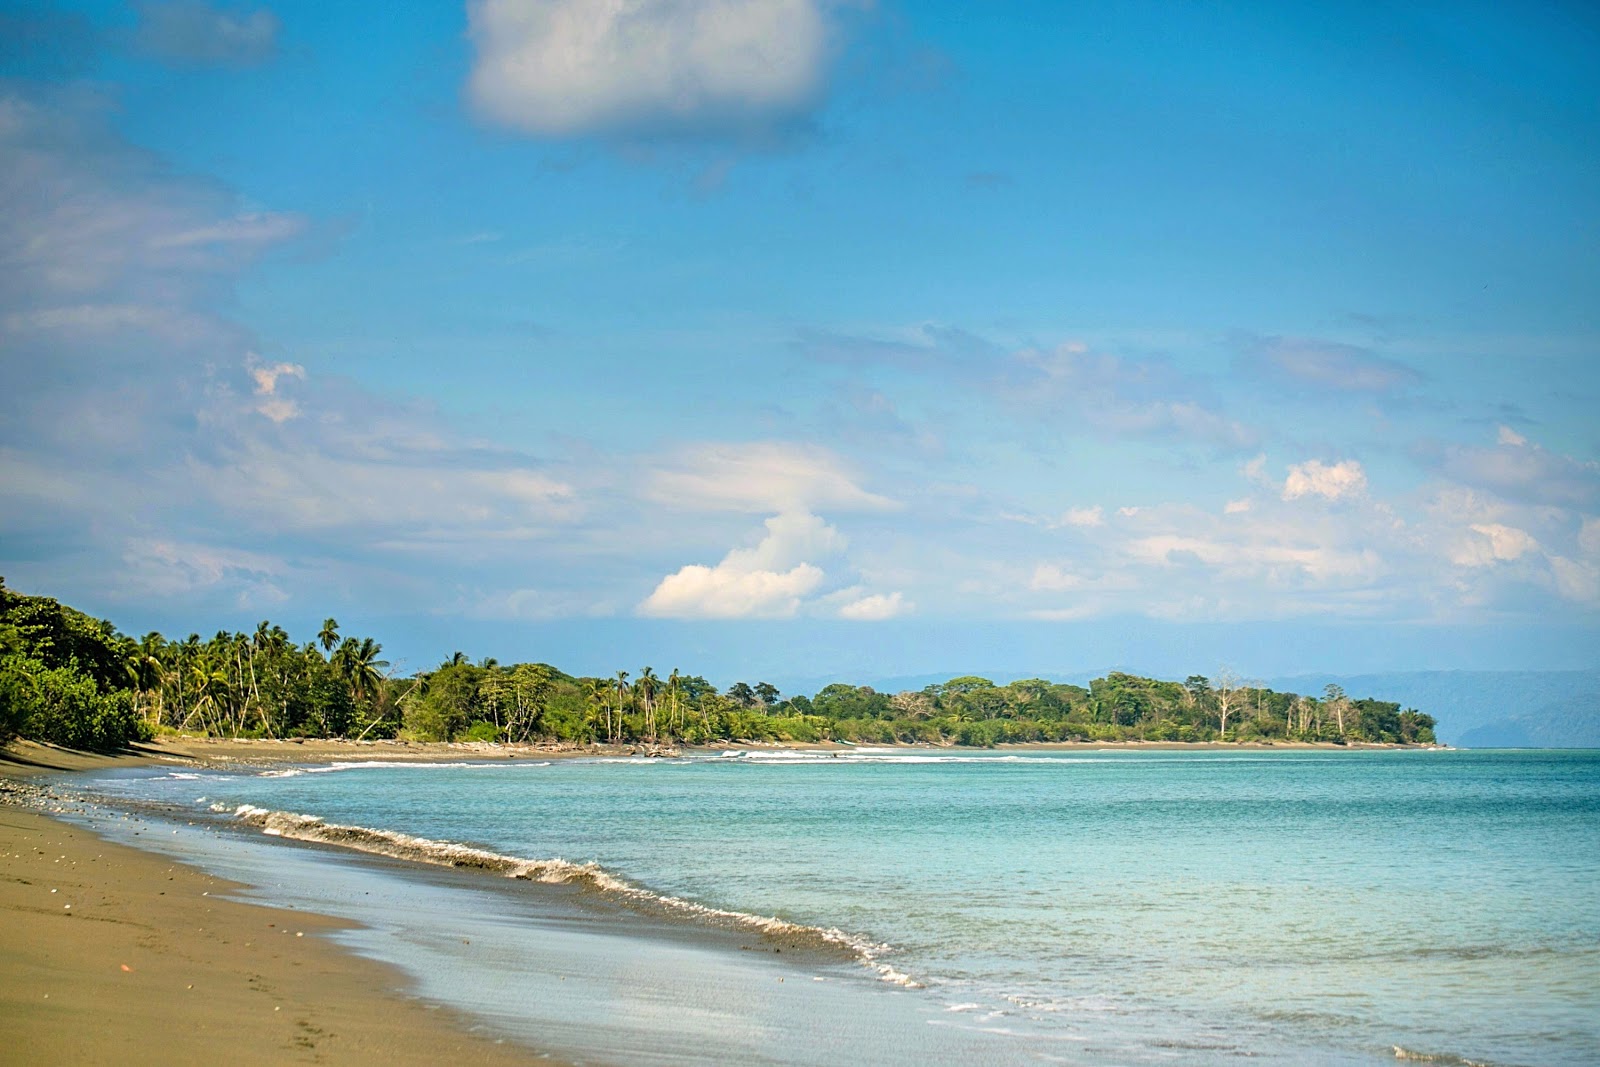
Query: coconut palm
{"type": "Point", "coordinates": [328, 636]}
{"type": "Point", "coordinates": [645, 691]}
{"type": "Point", "coordinates": [622, 700]}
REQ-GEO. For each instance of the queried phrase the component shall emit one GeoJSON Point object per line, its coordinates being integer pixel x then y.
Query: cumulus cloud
{"type": "Point", "coordinates": [1327, 365]}
{"type": "Point", "coordinates": [1052, 578]}
{"type": "Point", "coordinates": [1315, 478]}
{"type": "Point", "coordinates": [770, 580]}
{"type": "Point", "coordinates": [875, 607]}
{"type": "Point", "coordinates": [762, 476]}
{"type": "Point", "coordinates": [560, 68]}
{"type": "Point", "coordinates": [194, 33]}
{"type": "Point", "coordinates": [269, 402]}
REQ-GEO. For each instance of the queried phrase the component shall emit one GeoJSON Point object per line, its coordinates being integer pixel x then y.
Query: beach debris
{"type": "Point", "coordinates": [125, 967]}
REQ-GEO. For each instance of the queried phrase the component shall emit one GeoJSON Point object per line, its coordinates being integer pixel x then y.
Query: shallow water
{"type": "Point", "coordinates": [1127, 907]}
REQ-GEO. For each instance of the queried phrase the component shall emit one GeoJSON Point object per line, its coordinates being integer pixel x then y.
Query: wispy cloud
{"type": "Point", "coordinates": [195, 33]}
{"type": "Point", "coordinates": [576, 67]}
{"type": "Point", "coordinates": [1315, 364]}
{"type": "Point", "coordinates": [1518, 469]}
{"type": "Point", "coordinates": [761, 476]}
{"type": "Point", "coordinates": [1112, 394]}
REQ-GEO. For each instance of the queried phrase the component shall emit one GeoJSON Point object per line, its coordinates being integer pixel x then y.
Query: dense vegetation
{"type": "Point", "coordinates": [73, 680]}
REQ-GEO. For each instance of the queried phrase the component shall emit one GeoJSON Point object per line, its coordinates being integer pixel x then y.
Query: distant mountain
{"type": "Point", "coordinates": [1484, 709]}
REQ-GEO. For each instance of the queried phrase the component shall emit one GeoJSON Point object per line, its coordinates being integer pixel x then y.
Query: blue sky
{"type": "Point", "coordinates": [796, 338]}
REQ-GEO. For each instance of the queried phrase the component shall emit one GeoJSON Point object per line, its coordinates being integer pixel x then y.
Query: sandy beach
{"type": "Point", "coordinates": [115, 955]}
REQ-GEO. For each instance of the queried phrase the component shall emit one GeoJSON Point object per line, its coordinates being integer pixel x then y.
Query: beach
{"type": "Point", "coordinates": [616, 909]}
{"type": "Point", "coordinates": [115, 954]}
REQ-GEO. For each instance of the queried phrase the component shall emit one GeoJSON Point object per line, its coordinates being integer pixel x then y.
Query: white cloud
{"type": "Point", "coordinates": [875, 607]}
{"type": "Point", "coordinates": [266, 375]}
{"type": "Point", "coordinates": [1315, 478]}
{"type": "Point", "coordinates": [1507, 436]}
{"type": "Point", "coordinates": [760, 477]}
{"type": "Point", "coordinates": [1236, 507]}
{"type": "Point", "coordinates": [1506, 542]}
{"type": "Point", "coordinates": [769, 580]}
{"type": "Point", "coordinates": [1094, 516]}
{"type": "Point", "coordinates": [571, 67]}
{"type": "Point", "coordinates": [1050, 578]}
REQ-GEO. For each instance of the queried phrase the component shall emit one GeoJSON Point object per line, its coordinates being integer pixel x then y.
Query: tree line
{"type": "Point", "coordinates": [70, 679]}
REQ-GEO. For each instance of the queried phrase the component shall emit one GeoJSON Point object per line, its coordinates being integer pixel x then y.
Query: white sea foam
{"type": "Point", "coordinates": [359, 765]}
{"type": "Point", "coordinates": [555, 871]}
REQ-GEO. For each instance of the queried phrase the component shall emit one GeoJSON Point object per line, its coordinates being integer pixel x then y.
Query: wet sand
{"type": "Point", "coordinates": [116, 955]}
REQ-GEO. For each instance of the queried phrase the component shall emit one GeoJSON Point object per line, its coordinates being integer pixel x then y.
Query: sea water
{"type": "Point", "coordinates": [1072, 907]}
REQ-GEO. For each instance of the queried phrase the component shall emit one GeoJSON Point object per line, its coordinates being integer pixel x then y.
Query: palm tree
{"type": "Point", "coordinates": [673, 681]}
{"type": "Point", "coordinates": [597, 693]}
{"type": "Point", "coordinates": [145, 668]}
{"type": "Point", "coordinates": [622, 700]}
{"type": "Point", "coordinates": [645, 689]}
{"type": "Point", "coordinates": [362, 669]}
{"type": "Point", "coordinates": [328, 636]}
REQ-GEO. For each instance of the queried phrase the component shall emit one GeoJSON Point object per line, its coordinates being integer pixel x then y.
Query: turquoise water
{"type": "Point", "coordinates": [1163, 907]}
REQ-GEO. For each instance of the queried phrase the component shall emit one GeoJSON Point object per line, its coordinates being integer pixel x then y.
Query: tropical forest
{"type": "Point", "coordinates": [69, 679]}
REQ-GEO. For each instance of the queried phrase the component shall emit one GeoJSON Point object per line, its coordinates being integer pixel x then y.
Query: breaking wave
{"type": "Point", "coordinates": [557, 872]}
{"type": "Point", "coordinates": [356, 765]}
{"type": "Point", "coordinates": [1449, 1059]}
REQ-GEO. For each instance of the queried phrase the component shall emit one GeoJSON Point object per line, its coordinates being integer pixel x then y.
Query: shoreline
{"type": "Point", "coordinates": [27, 759]}
{"type": "Point", "coordinates": [119, 954]}
{"type": "Point", "coordinates": [139, 905]}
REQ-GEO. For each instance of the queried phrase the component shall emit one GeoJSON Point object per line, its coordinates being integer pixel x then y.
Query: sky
{"type": "Point", "coordinates": [811, 338]}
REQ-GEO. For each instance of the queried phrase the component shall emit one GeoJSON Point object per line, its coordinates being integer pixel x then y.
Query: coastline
{"type": "Point", "coordinates": [118, 954]}
{"type": "Point", "coordinates": [139, 906]}
{"type": "Point", "coordinates": [24, 759]}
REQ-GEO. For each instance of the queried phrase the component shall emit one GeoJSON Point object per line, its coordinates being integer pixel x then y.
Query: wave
{"type": "Point", "coordinates": [1449, 1059]}
{"type": "Point", "coordinates": [559, 872]}
{"type": "Point", "coordinates": [356, 765]}
{"type": "Point", "coordinates": [902, 756]}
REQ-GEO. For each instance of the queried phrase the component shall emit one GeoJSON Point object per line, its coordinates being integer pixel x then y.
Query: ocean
{"type": "Point", "coordinates": [937, 907]}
